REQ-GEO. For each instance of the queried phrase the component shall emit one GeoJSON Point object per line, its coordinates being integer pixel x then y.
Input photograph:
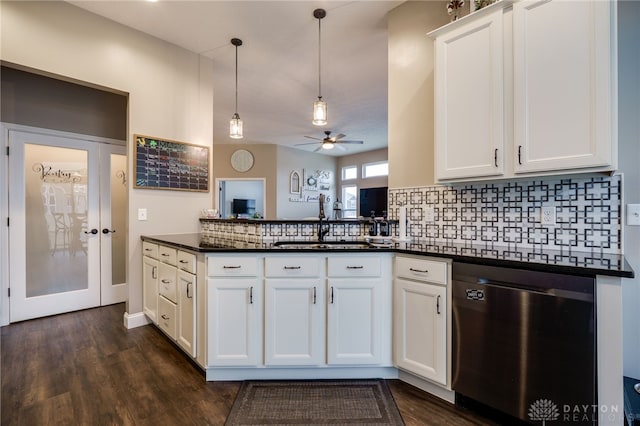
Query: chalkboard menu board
{"type": "Point", "coordinates": [164, 164]}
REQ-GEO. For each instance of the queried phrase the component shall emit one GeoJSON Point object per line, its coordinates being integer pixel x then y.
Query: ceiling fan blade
{"type": "Point", "coordinates": [356, 142]}
{"type": "Point", "coordinates": [311, 137]}
{"type": "Point", "coordinates": [338, 136]}
{"type": "Point", "coordinates": [310, 143]}
{"type": "Point", "coordinates": [318, 149]}
{"type": "Point", "coordinates": [340, 147]}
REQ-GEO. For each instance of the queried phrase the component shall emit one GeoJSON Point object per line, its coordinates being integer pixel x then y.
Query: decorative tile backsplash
{"type": "Point", "coordinates": [587, 213]}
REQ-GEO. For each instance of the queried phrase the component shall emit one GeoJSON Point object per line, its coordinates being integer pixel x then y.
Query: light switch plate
{"type": "Point", "coordinates": [142, 214]}
{"type": "Point", "coordinates": [633, 214]}
{"type": "Point", "coordinates": [429, 214]}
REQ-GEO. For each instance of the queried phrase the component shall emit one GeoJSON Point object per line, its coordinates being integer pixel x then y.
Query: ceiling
{"type": "Point", "coordinates": [278, 63]}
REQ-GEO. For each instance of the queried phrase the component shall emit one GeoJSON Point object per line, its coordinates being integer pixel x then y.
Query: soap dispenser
{"type": "Point", "coordinates": [384, 225]}
{"type": "Point", "coordinates": [373, 225]}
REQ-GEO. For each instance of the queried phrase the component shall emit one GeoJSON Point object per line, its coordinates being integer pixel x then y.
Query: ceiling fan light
{"type": "Point", "coordinates": [319, 112]}
{"type": "Point", "coordinates": [327, 145]}
{"type": "Point", "coordinates": [235, 127]}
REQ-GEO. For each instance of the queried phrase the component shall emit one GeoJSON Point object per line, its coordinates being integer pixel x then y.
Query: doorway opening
{"type": "Point", "coordinates": [241, 198]}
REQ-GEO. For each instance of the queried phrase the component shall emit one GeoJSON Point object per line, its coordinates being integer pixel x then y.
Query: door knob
{"type": "Point", "coordinates": [94, 231]}
{"type": "Point", "coordinates": [107, 230]}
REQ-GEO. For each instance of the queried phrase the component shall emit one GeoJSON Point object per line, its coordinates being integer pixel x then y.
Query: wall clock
{"type": "Point", "coordinates": [242, 160]}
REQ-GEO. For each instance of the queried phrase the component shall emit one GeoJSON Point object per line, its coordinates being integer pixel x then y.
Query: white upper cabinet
{"type": "Point", "coordinates": [562, 56]}
{"type": "Point", "coordinates": [469, 100]}
{"type": "Point", "coordinates": [526, 88]}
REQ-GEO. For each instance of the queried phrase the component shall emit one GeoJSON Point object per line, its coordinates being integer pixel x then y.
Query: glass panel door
{"type": "Point", "coordinates": [53, 235]}
{"type": "Point", "coordinates": [113, 215]}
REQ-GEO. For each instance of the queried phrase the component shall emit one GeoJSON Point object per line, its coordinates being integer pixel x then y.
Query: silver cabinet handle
{"type": "Point", "coordinates": [438, 304]}
{"type": "Point", "coordinates": [165, 254]}
{"type": "Point", "coordinates": [251, 295]}
{"type": "Point", "coordinates": [292, 267]}
{"type": "Point", "coordinates": [231, 267]}
{"type": "Point", "coordinates": [164, 317]}
{"type": "Point", "coordinates": [355, 267]}
{"type": "Point", "coordinates": [314, 295]}
{"type": "Point", "coordinates": [166, 281]}
{"type": "Point", "coordinates": [419, 270]}
{"type": "Point", "coordinates": [189, 295]}
{"type": "Point", "coordinates": [495, 157]}
{"type": "Point", "coordinates": [148, 249]}
{"type": "Point", "coordinates": [520, 154]}
{"type": "Point", "coordinates": [183, 261]}
{"type": "Point", "coordinates": [332, 295]}
{"type": "Point", "coordinates": [154, 272]}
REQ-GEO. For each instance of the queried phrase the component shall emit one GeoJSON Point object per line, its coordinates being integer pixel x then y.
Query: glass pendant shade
{"type": "Point", "coordinates": [235, 127]}
{"type": "Point", "coordinates": [327, 145]}
{"type": "Point", "coordinates": [319, 112]}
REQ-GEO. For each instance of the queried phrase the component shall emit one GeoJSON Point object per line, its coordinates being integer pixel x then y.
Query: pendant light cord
{"type": "Point", "coordinates": [236, 79]}
{"type": "Point", "coordinates": [319, 58]}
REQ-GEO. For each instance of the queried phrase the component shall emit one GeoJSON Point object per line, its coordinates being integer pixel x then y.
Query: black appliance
{"type": "Point", "coordinates": [524, 342]}
{"type": "Point", "coordinates": [243, 207]}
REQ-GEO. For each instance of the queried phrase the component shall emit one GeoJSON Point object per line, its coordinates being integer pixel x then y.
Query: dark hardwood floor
{"type": "Point", "coordinates": [85, 368]}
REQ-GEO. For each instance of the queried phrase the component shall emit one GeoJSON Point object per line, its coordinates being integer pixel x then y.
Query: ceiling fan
{"type": "Point", "coordinates": [330, 142]}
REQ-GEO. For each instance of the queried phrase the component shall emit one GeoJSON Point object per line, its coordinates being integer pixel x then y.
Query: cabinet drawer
{"type": "Point", "coordinates": [167, 287]}
{"type": "Point", "coordinates": [150, 249]}
{"type": "Point", "coordinates": [167, 255]}
{"type": "Point", "coordinates": [421, 269]}
{"type": "Point", "coordinates": [232, 266]}
{"type": "Point", "coordinates": [167, 316]}
{"type": "Point", "coordinates": [354, 266]}
{"type": "Point", "coordinates": [290, 266]}
{"type": "Point", "coordinates": [187, 261]}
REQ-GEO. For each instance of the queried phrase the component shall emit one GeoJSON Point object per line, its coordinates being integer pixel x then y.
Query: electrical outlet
{"type": "Point", "coordinates": [142, 214]}
{"type": "Point", "coordinates": [548, 215]}
{"type": "Point", "coordinates": [633, 214]}
{"type": "Point", "coordinates": [429, 214]}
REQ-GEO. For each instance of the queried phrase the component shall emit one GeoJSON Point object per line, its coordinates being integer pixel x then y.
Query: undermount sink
{"type": "Point", "coordinates": [321, 244]}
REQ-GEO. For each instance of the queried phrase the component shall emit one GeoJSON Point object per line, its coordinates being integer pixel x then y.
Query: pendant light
{"type": "Point", "coordinates": [235, 125]}
{"type": "Point", "coordinates": [319, 106]}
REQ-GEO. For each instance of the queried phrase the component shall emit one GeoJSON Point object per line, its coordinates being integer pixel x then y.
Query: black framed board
{"type": "Point", "coordinates": [167, 164]}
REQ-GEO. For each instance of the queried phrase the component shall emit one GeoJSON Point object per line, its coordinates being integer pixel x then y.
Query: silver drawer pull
{"type": "Point", "coordinates": [183, 261]}
{"type": "Point", "coordinates": [148, 249]}
{"type": "Point", "coordinates": [166, 281]}
{"type": "Point", "coordinates": [231, 267]}
{"type": "Point", "coordinates": [165, 254]}
{"type": "Point", "coordinates": [419, 270]}
{"type": "Point", "coordinates": [154, 272]}
{"type": "Point", "coordinates": [164, 317]}
{"type": "Point", "coordinates": [292, 267]}
{"type": "Point", "coordinates": [355, 267]}
{"type": "Point", "coordinates": [189, 295]}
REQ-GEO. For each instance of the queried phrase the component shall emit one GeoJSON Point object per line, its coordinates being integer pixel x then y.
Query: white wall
{"type": "Point", "coordinates": [629, 140]}
{"type": "Point", "coordinates": [170, 89]}
{"type": "Point", "coordinates": [295, 159]}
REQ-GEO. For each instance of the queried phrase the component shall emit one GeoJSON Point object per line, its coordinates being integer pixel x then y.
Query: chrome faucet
{"type": "Point", "coordinates": [322, 230]}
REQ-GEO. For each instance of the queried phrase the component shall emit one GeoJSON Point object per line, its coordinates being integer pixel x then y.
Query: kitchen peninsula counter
{"type": "Point", "coordinates": [567, 262]}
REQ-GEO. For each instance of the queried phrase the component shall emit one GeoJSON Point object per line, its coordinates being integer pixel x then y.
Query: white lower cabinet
{"type": "Point", "coordinates": [150, 287]}
{"type": "Point", "coordinates": [169, 293]}
{"type": "Point", "coordinates": [420, 318]}
{"type": "Point", "coordinates": [234, 306]}
{"type": "Point", "coordinates": [186, 298]}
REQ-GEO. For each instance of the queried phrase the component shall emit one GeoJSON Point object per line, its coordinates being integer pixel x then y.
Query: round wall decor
{"type": "Point", "coordinates": [242, 160]}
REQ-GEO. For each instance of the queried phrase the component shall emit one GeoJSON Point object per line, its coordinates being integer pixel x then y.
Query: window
{"type": "Point", "coordinates": [349, 172]}
{"type": "Point", "coordinates": [349, 201]}
{"type": "Point", "coordinates": [380, 168]}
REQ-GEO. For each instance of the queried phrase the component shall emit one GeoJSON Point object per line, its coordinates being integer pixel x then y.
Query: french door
{"type": "Point", "coordinates": [62, 231]}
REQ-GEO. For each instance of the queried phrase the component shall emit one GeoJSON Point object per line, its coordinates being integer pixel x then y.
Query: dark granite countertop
{"type": "Point", "coordinates": [568, 262]}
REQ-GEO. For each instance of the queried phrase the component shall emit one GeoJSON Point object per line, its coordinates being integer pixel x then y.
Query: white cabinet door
{"type": "Point", "coordinates": [354, 320]}
{"type": "Point", "coordinates": [469, 100]}
{"type": "Point", "coordinates": [167, 287]}
{"type": "Point", "coordinates": [562, 85]}
{"type": "Point", "coordinates": [420, 329]}
{"type": "Point", "coordinates": [294, 331]}
{"type": "Point", "coordinates": [186, 335]}
{"type": "Point", "coordinates": [234, 327]}
{"type": "Point", "coordinates": [150, 288]}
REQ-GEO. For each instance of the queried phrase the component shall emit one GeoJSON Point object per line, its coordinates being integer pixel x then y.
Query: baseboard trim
{"type": "Point", "coordinates": [135, 320]}
{"type": "Point", "coordinates": [427, 386]}
{"type": "Point", "coordinates": [271, 373]}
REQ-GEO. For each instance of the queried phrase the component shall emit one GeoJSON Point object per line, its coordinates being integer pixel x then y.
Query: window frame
{"type": "Point", "coordinates": [375, 163]}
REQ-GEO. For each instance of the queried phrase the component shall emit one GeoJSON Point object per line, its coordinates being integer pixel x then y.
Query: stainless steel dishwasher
{"type": "Point", "coordinates": [523, 340]}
